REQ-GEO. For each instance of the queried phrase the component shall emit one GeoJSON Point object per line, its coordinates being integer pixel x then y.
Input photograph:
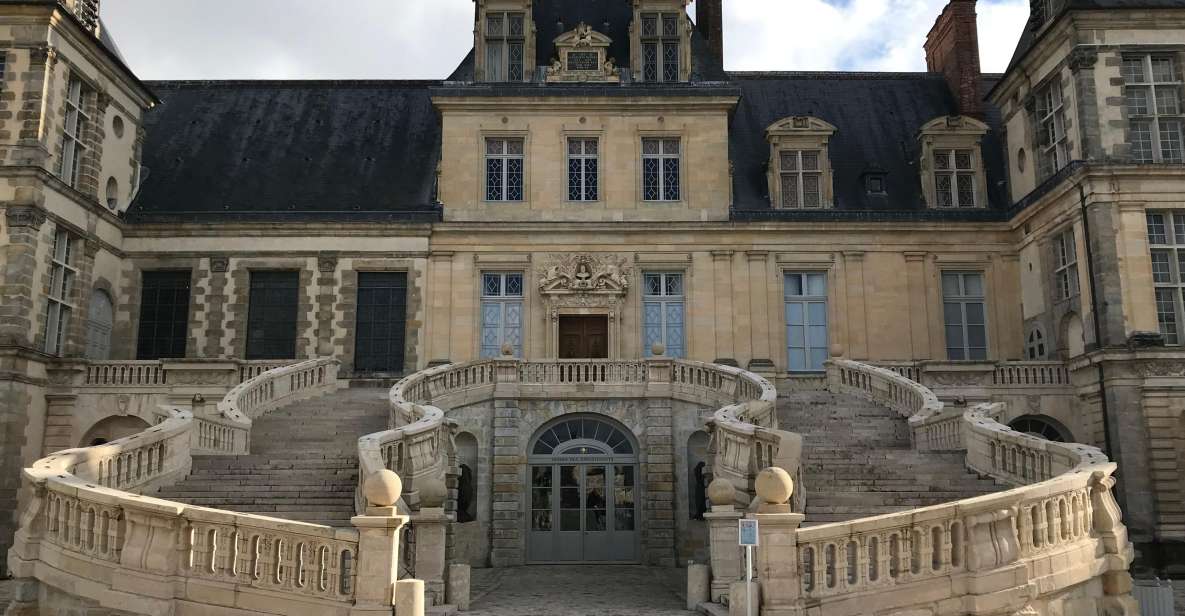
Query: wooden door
{"type": "Point", "coordinates": [584, 337]}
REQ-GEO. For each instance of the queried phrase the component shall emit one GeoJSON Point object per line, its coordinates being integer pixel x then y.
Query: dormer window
{"type": "Point", "coordinates": [954, 178]}
{"type": "Point", "coordinates": [800, 175]}
{"type": "Point", "coordinates": [802, 179]}
{"type": "Point", "coordinates": [660, 47]}
{"type": "Point", "coordinates": [874, 184]}
{"type": "Point", "coordinates": [952, 166]}
{"type": "Point", "coordinates": [505, 44]}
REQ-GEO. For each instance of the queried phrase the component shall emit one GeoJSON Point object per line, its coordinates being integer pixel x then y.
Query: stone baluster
{"type": "Point", "coordinates": [777, 552]}
{"type": "Point", "coordinates": [1108, 524]}
{"type": "Point", "coordinates": [722, 538]}
{"type": "Point", "coordinates": [378, 551]}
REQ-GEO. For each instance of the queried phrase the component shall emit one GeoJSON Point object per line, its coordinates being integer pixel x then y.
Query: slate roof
{"type": "Point", "coordinates": [877, 118]}
{"type": "Point", "coordinates": [290, 150]}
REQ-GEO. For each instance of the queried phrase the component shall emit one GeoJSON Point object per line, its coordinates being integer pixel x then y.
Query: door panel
{"type": "Point", "coordinates": [381, 323]}
{"type": "Point", "coordinates": [584, 337]}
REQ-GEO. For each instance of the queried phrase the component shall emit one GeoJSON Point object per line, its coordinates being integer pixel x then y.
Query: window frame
{"type": "Point", "coordinates": [955, 172]}
{"type": "Point", "coordinates": [662, 43]}
{"type": "Point", "coordinates": [806, 299]}
{"type": "Point", "coordinates": [265, 282]}
{"type": "Point", "coordinates": [1173, 247]}
{"type": "Point", "coordinates": [1153, 115]}
{"type": "Point", "coordinates": [60, 308]}
{"type": "Point", "coordinates": [800, 173]}
{"type": "Point", "coordinates": [585, 158]}
{"type": "Point", "coordinates": [663, 158]}
{"type": "Point", "coordinates": [1036, 346]}
{"type": "Point", "coordinates": [74, 126]}
{"type": "Point", "coordinates": [150, 346]}
{"type": "Point", "coordinates": [506, 157]}
{"type": "Point", "coordinates": [505, 41]}
{"type": "Point", "coordinates": [503, 300]}
{"type": "Point", "coordinates": [963, 300]}
{"type": "Point", "coordinates": [1050, 113]}
{"type": "Point", "coordinates": [665, 299]}
{"type": "Point", "coordinates": [1065, 265]}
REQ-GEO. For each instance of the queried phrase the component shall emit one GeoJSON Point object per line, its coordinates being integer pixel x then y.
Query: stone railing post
{"type": "Point", "coordinates": [378, 549]}
{"type": "Point", "coordinates": [722, 539]}
{"type": "Point", "coordinates": [777, 553]}
{"type": "Point", "coordinates": [992, 540]}
{"type": "Point", "coordinates": [1108, 523]}
{"type": "Point", "coordinates": [431, 525]}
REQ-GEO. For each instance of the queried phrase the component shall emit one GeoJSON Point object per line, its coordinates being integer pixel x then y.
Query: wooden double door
{"type": "Point", "coordinates": [584, 337]}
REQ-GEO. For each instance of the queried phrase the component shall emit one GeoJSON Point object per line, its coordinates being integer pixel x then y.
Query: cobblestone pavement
{"type": "Point", "coordinates": [578, 591]}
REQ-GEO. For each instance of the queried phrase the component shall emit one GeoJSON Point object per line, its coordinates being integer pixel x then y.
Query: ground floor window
{"type": "Point", "coordinates": [662, 314]}
{"type": "Point", "coordinates": [501, 313]}
{"type": "Point", "coordinates": [965, 315]}
{"type": "Point", "coordinates": [164, 314]}
{"type": "Point", "coordinates": [806, 320]}
{"type": "Point", "coordinates": [271, 314]}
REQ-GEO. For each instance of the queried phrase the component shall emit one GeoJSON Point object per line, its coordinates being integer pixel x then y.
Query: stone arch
{"type": "Point", "coordinates": [112, 429]}
{"type": "Point", "coordinates": [100, 320]}
{"type": "Point", "coordinates": [1043, 426]}
{"type": "Point", "coordinates": [697, 475]}
{"type": "Point", "coordinates": [466, 444]}
{"type": "Point", "coordinates": [1073, 335]}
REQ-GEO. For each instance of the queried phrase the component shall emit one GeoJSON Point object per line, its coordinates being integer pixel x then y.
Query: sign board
{"type": "Point", "coordinates": [748, 534]}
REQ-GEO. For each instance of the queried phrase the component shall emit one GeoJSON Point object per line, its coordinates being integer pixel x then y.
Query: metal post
{"type": "Point", "coordinates": [749, 580]}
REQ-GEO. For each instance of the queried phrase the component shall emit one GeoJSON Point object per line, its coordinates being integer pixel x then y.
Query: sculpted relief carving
{"type": "Point", "coordinates": [587, 274]}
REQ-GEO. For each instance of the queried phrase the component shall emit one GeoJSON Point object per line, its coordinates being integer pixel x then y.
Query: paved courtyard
{"type": "Point", "coordinates": [579, 591]}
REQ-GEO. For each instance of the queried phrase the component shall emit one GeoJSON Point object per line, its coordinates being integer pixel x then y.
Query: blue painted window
{"type": "Point", "coordinates": [806, 320]}
{"type": "Point", "coordinates": [501, 313]}
{"type": "Point", "coordinates": [662, 314]}
{"type": "Point", "coordinates": [965, 314]}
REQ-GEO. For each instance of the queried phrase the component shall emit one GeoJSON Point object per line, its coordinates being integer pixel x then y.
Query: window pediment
{"type": "Point", "coordinates": [952, 163]}
{"type": "Point", "coordinates": [582, 55]}
{"type": "Point", "coordinates": [800, 125]}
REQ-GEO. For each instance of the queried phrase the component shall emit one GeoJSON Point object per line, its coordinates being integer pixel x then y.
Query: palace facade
{"type": "Point", "coordinates": [590, 183]}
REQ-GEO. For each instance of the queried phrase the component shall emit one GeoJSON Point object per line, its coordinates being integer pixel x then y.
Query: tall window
{"type": "Point", "coordinates": [1166, 235]}
{"type": "Point", "coordinates": [504, 39]}
{"type": "Point", "coordinates": [662, 314]}
{"type": "Point", "coordinates": [501, 313]}
{"type": "Point", "coordinates": [272, 314]}
{"type": "Point", "coordinates": [954, 178]}
{"type": "Point", "coordinates": [1035, 347]}
{"type": "Point", "coordinates": [100, 318]}
{"type": "Point", "coordinates": [1152, 90]}
{"type": "Point", "coordinates": [1065, 254]}
{"type": "Point", "coordinates": [660, 169]}
{"type": "Point", "coordinates": [61, 287]}
{"type": "Point", "coordinates": [582, 169]}
{"type": "Point", "coordinates": [1051, 118]}
{"type": "Point", "coordinates": [504, 169]}
{"type": "Point", "coordinates": [806, 320]}
{"type": "Point", "coordinates": [965, 313]}
{"type": "Point", "coordinates": [802, 179]}
{"type": "Point", "coordinates": [73, 148]}
{"type": "Point", "coordinates": [660, 47]}
{"type": "Point", "coordinates": [164, 314]}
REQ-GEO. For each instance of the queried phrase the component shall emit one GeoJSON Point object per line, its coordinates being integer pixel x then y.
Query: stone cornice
{"type": "Point", "coordinates": [541, 101]}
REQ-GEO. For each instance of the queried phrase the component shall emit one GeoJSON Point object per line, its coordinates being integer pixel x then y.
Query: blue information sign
{"type": "Point", "coordinates": [748, 533]}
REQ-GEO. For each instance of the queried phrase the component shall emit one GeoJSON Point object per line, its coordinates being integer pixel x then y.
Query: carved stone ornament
{"type": "Point", "coordinates": [959, 379]}
{"type": "Point", "coordinates": [197, 377]}
{"type": "Point", "coordinates": [1083, 58]}
{"type": "Point", "coordinates": [582, 55]}
{"type": "Point", "coordinates": [585, 274]}
{"type": "Point", "coordinates": [327, 265]}
{"type": "Point", "coordinates": [24, 216]}
{"type": "Point", "coordinates": [219, 265]}
{"type": "Point", "coordinates": [1161, 368]}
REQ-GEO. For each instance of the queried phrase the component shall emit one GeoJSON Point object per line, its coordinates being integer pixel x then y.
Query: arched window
{"type": "Point", "coordinates": [1042, 426]}
{"type": "Point", "coordinates": [99, 319]}
{"type": "Point", "coordinates": [1035, 348]}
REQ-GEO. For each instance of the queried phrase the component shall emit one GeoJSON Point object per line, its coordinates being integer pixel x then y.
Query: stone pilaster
{"type": "Point", "coordinates": [17, 292]}
{"type": "Point", "coordinates": [216, 300]}
{"type": "Point", "coordinates": [726, 554]}
{"type": "Point", "coordinates": [326, 297]}
{"type": "Point", "coordinates": [431, 526]}
{"type": "Point", "coordinates": [507, 526]}
{"type": "Point", "coordinates": [32, 148]}
{"type": "Point", "coordinates": [722, 283]}
{"type": "Point", "coordinates": [659, 537]}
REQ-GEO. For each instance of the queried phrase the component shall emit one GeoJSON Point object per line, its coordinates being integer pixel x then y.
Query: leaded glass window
{"type": "Point", "coordinates": [806, 320]}
{"type": "Point", "coordinates": [1065, 255]}
{"type": "Point", "coordinates": [965, 315]}
{"type": "Point", "coordinates": [583, 169]}
{"type": "Point", "coordinates": [661, 169]}
{"type": "Point", "coordinates": [73, 146]}
{"type": "Point", "coordinates": [504, 40]}
{"type": "Point", "coordinates": [1035, 349]}
{"type": "Point", "coordinates": [661, 43]}
{"type": "Point", "coordinates": [954, 178]}
{"type": "Point", "coordinates": [1152, 94]}
{"type": "Point", "coordinates": [1166, 235]}
{"type": "Point", "coordinates": [60, 305]}
{"type": "Point", "coordinates": [504, 169]}
{"type": "Point", "coordinates": [501, 313]}
{"type": "Point", "coordinates": [1051, 118]}
{"type": "Point", "coordinates": [801, 176]}
{"type": "Point", "coordinates": [663, 313]}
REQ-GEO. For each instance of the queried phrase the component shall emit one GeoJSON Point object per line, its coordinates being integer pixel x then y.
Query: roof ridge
{"type": "Point", "coordinates": [291, 83]}
{"type": "Point", "coordinates": [833, 75]}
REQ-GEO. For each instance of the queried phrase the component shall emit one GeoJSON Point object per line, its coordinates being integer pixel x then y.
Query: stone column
{"type": "Point", "coordinates": [431, 526]}
{"type": "Point", "coordinates": [378, 547]}
{"type": "Point", "coordinates": [723, 538]}
{"type": "Point", "coordinates": [776, 557]}
{"type": "Point", "coordinates": [17, 296]}
{"type": "Point", "coordinates": [509, 467]}
{"type": "Point", "coordinates": [659, 472]}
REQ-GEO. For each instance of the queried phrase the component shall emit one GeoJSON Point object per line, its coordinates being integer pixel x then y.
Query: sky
{"type": "Point", "coordinates": [426, 39]}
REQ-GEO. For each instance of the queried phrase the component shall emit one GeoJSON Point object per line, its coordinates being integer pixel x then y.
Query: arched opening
{"type": "Point", "coordinates": [113, 429]}
{"type": "Point", "coordinates": [583, 492]}
{"type": "Point", "coordinates": [1073, 336]}
{"type": "Point", "coordinates": [1035, 347]}
{"type": "Point", "coordinates": [1042, 426]}
{"type": "Point", "coordinates": [112, 194]}
{"type": "Point", "coordinates": [697, 475]}
{"type": "Point", "coordinates": [467, 481]}
{"type": "Point", "coordinates": [99, 319]}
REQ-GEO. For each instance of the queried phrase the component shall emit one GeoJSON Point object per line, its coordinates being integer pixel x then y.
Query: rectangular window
{"type": "Point", "coordinates": [61, 292]}
{"type": "Point", "coordinates": [1152, 94]}
{"type": "Point", "coordinates": [954, 178]}
{"type": "Point", "coordinates": [1166, 235]}
{"type": "Point", "coordinates": [802, 179]}
{"type": "Point", "coordinates": [73, 148]}
{"type": "Point", "coordinates": [661, 169]}
{"type": "Point", "coordinates": [501, 313]}
{"type": "Point", "coordinates": [164, 315]}
{"type": "Point", "coordinates": [662, 314]}
{"type": "Point", "coordinates": [1065, 254]}
{"type": "Point", "coordinates": [381, 322]}
{"type": "Point", "coordinates": [504, 169]}
{"type": "Point", "coordinates": [1051, 135]}
{"type": "Point", "coordinates": [965, 313]}
{"type": "Point", "coordinates": [271, 315]}
{"type": "Point", "coordinates": [583, 169]}
{"type": "Point", "coordinates": [806, 320]}
{"type": "Point", "coordinates": [660, 47]}
{"type": "Point", "coordinates": [504, 39]}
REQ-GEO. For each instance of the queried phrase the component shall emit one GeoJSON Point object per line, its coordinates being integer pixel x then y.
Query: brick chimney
{"type": "Point", "coordinates": [952, 48]}
{"type": "Point", "coordinates": [709, 20]}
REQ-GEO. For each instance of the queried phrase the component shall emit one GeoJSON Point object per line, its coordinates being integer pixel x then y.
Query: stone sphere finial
{"type": "Point", "coordinates": [383, 488]}
{"type": "Point", "coordinates": [658, 349]}
{"type": "Point", "coordinates": [721, 492]}
{"type": "Point", "coordinates": [432, 492]}
{"type": "Point", "coordinates": [774, 486]}
{"type": "Point", "coordinates": [507, 350]}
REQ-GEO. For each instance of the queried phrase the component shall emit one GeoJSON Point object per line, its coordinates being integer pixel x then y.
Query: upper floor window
{"type": "Point", "coordinates": [1152, 93]}
{"type": "Point", "coordinates": [583, 169]}
{"type": "Point", "coordinates": [965, 315]}
{"type": "Point", "coordinates": [501, 313]}
{"type": "Point", "coordinates": [1166, 235]}
{"type": "Point", "coordinates": [73, 147]}
{"type": "Point", "coordinates": [954, 178]}
{"type": "Point", "coordinates": [662, 313]}
{"type": "Point", "coordinates": [504, 169]}
{"type": "Point", "coordinates": [661, 44]}
{"type": "Point", "coordinates": [1051, 120]}
{"type": "Point", "coordinates": [1065, 254]}
{"type": "Point", "coordinates": [61, 292]}
{"type": "Point", "coordinates": [801, 179]}
{"type": "Point", "coordinates": [1035, 349]}
{"type": "Point", "coordinates": [661, 169]}
{"type": "Point", "coordinates": [505, 36]}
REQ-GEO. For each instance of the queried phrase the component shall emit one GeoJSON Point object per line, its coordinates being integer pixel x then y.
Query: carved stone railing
{"type": "Point", "coordinates": [124, 374]}
{"type": "Point", "coordinates": [884, 387]}
{"type": "Point", "coordinates": [280, 387]}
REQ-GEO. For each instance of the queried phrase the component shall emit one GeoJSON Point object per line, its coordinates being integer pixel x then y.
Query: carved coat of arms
{"type": "Point", "coordinates": [567, 275]}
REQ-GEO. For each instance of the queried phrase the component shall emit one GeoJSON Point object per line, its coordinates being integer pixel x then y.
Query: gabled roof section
{"type": "Point", "coordinates": [877, 117]}
{"type": "Point", "coordinates": [290, 151]}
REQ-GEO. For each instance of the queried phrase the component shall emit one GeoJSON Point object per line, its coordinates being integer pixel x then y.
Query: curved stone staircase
{"type": "Point", "coordinates": [303, 464]}
{"type": "Point", "coordinates": [857, 460]}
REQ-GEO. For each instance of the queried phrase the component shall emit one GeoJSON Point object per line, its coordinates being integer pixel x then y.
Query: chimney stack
{"type": "Point", "coordinates": [709, 20]}
{"type": "Point", "coordinates": [952, 48]}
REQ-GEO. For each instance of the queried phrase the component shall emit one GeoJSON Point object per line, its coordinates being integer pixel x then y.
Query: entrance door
{"type": "Point", "coordinates": [584, 337]}
{"type": "Point", "coordinates": [382, 321]}
{"type": "Point", "coordinates": [583, 494]}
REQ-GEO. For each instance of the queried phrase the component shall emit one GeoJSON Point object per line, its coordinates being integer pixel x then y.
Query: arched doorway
{"type": "Point", "coordinates": [583, 492]}
{"type": "Point", "coordinates": [113, 429]}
